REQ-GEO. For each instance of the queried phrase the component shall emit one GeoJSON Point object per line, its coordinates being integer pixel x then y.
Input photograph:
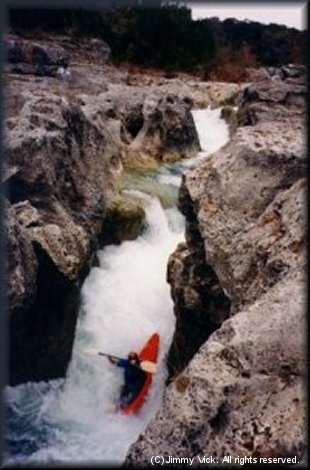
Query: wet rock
{"type": "Point", "coordinates": [230, 115]}
{"type": "Point", "coordinates": [43, 301]}
{"type": "Point", "coordinates": [132, 121]}
{"type": "Point", "coordinates": [239, 207]}
{"type": "Point", "coordinates": [124, 220]}
{"type": "Point", "coordinates": [168, 132]}
{"type": "Point", "coordinates": [148, 127]}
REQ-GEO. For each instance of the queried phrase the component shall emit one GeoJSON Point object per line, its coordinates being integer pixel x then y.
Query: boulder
{"type": "Point", "coordinates": [232, 192]}
{"type": "Point", "coordinates": [124, 220]}
{"type": "Point", "coordinates": [28, 57]}
{"type": "Point", "coordinates": [167, 131]}
{"type": "Point", "coordinates": [272, 101]}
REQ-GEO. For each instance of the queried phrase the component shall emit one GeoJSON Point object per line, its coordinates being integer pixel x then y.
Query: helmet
{"type": "Point", "coordinates": [133, 356]}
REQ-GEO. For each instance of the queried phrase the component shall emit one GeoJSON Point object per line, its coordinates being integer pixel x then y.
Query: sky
{"type": "Point", "coordinates": [291, 14]}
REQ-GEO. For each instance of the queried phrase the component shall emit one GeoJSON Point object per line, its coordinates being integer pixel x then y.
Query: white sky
{"type": "Point", "coordinates": [292, 14]}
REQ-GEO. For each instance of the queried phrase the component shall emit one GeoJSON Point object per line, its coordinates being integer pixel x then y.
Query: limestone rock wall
{"type": "Point", "coordinates": [68, 139]}
{"type": "Point", "coordinates": [244, 230]}
{"type": "Point", "coordinates": [243, 392]}
{"type": "Point", "coordinates": [66, 166]}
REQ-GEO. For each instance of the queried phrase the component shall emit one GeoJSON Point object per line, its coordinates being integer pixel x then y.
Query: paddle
{"type": "Point", "coordinates": [147, 366]}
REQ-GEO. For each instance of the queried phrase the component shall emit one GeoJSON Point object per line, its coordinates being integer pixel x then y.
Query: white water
{"type": "Point", "coordinates": [213, 131]}
{"type": "Point", "coordinates": [213, 134]}
{"type": "Point", "coordinates": [125, 299]}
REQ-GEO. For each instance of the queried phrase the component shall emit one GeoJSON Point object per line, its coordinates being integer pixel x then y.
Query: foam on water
{"type": "Point", "coordinates": [124, 300]}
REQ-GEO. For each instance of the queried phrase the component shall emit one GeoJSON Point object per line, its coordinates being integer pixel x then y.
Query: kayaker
{"type": "Point", "coordinates": [134, 376]}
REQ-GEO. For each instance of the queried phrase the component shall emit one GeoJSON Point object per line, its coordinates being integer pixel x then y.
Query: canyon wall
{"type": "Point", "coordinates": [237, 361]}
{"type": "Point", "coordinates": [72, 127]}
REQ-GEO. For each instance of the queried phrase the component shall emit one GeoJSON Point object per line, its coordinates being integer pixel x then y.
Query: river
{"type": "Point", "coordinates": [124, 300]}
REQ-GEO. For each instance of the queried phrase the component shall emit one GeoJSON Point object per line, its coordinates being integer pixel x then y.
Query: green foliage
{"type": "Point", "coordinates": [168, 38]}
{"type": "Point", "coordinates": [163, 37]}
{"type": "Point", "coordinates": [271, 44]}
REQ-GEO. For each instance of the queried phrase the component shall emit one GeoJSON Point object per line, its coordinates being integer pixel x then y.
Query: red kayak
{"type": "Point", "coordinates": [149, 352]}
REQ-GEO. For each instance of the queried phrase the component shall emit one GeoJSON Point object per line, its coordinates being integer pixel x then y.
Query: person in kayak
{"type": "Point", "coordinates": [134, 377]}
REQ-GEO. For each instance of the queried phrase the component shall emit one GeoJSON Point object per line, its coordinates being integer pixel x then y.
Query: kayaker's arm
{"type": "Point", "coordinates": [122, 363]}
{"type": "Point", "coordinates": [114, 360]}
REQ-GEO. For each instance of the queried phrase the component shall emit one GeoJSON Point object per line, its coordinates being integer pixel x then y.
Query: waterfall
{"type": "Point", "coordinates": [124, 300]}
{"type": "Point", "coordinates": [213, 131]}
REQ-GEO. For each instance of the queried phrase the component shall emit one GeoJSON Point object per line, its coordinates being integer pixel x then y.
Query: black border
{"type": "Point", "coordinates": [5, 5]}
{"type": "Point", "coordinates": [3, 290]}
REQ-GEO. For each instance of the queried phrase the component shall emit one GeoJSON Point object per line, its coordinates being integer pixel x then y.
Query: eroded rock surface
{"type": "Point", "coordinates": [238, 190]}
{"type": "Point", "coordinates": [243, 392]}
{"type": "Point", "coordinates": [22, 265]}
{"type": "Point", "coordinates": [68, 137]}
{"type": "Point", "coordinates": [29, 57]}
{"type": "Point", "coordinates": [167, 134]}
{"type": "Point", "coordinates": [66, 166]}
{"type": "Point", "coordinates": [199, 303]}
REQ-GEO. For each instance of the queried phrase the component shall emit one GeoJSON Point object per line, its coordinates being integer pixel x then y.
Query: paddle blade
{"type": "Point", "coordinates": [148, 366]}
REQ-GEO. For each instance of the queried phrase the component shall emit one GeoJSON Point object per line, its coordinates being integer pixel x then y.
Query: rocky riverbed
{"type": "Point", "coordinates": [241, 272]}
{"type": "Point", "coordinates": [74, 124]}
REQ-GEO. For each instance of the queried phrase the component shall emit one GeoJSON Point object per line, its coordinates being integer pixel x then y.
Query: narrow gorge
{"type": "Point", "coordinates": [241, 272]}
{"type": "Point", "coordinates": [138, 203]}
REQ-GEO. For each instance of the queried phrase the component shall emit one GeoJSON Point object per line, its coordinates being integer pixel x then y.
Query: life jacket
{"type": "Point", "coordinates": [134, 377]}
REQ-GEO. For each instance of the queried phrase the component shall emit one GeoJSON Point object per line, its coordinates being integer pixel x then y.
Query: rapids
{"type": "Point", "coordinates": [124, 300]}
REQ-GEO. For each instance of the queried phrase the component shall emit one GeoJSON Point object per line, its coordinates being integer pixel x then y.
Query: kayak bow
{"type": "Point", "coordinates": [149, 353]}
